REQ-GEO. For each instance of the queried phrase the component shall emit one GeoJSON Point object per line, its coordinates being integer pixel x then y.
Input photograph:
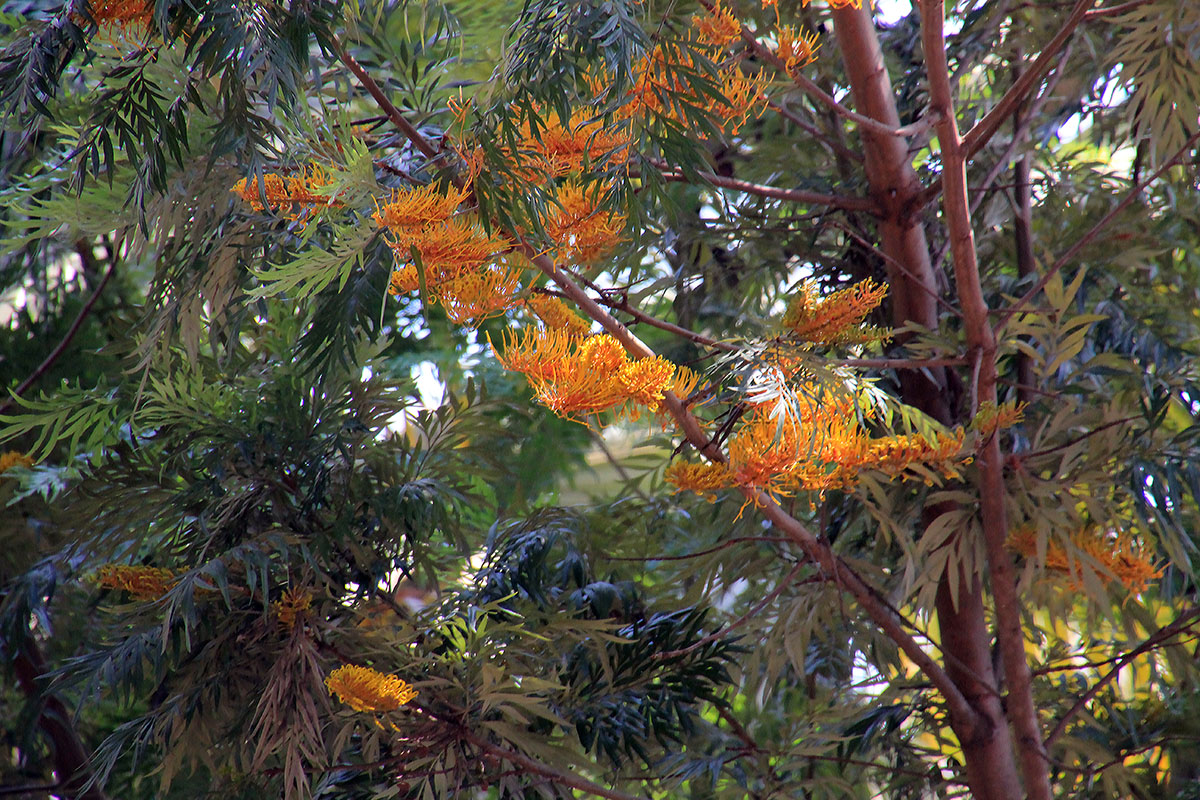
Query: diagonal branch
{"type": "Point", "coordinates": [1185, 621]}
{"type": "Point", "coordinates": [983, 130]}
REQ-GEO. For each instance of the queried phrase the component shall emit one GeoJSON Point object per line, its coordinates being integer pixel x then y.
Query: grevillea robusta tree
{"type": "Point", "coordinates": [815, 409]}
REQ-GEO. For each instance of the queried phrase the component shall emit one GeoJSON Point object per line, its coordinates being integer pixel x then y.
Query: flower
{"type": "Point", "coordinates": [584, 376]}
{"type": "Point", "coordinates": [448, 250]}
{"type": "Point", "coordinates": [1116, 553]}
{"type": "Point", "coordinates": [475, 296]}
{"type": "Point", "coordinates": [408, 211]}
{"type": "Point", "coordinates": [835, 318]}
{"type": "Point", "coordinates": [144, 583]}
{"type": "Point", "coordinates": [556, 148]}
{"type": "Point", "coordinates": [364, 689]}
{"type": "Point", "coordinates": [12, 459]}
{"type": "Point", "coordinates": [295, 196]}
{"type": "Point", "coordinates": [718, 28]}
{"type": "Point", "coordinates": [555, 315]}
{"type": "Point", "coordinates": [992, 417]}
{"type": "Point", "coordinates": [122, 13]}
{"type": "Point", "coordinates": [795, 49]}
{"type": "Point", "coordinates": [580, 226]}
{"type": "Point", "coordinates": [703, 479]}
{"type": "Point", "coordinates": [293, 606]}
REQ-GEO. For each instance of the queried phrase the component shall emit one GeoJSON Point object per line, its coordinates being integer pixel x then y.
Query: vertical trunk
{"type": "Point", "coordinates": [70, 757]}
{"type": "Point", "coordinates": [987, 749]}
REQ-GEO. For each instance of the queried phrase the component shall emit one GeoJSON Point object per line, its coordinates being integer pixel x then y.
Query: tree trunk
{"type": "Point", "coordinates": [991, 767]}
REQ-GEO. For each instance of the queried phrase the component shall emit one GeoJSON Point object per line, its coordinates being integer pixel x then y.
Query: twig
{"type": "Point", "coordinates": [983, 131]}
{"type": "Point", "coordinates": [701, 553]}
{"type": "Point", "coordinates": [740, 621]}
{"type": "Point", "coordinates": [1097, 13]}
{"type": "Point", "coordinates": [865, 204]}
{"type": "Point", "coordinates": [61, 347]}
{"type": "Point", "coordinates": [1186, 620]}
{"type": "Point", "coordinates": [791, 116]}
{"type": "Point", "coordinates": [1084, 240]}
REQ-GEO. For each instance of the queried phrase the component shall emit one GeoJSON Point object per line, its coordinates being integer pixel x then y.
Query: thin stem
{"type": "Point", "coordinates": [1185, 621]}
{"type": "Point", "coordinates": [761, 190]}
{"type": "Point", "coordinates": [983, 130]}
{"type": "Point", "coordinates": [1095, 231]}
{"type": "Point", "coordinates": [61, 347]}
{"type": "Point", "coordinates": [791, 116]}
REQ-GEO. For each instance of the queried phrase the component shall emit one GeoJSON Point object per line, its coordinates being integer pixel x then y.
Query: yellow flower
{"type": "Point", "coordinates": [836, 318]}
{"type": "Point", "coordinates": [408, 211]}
{"type": "Point", "coordinates": [475, 296]}
{"type": "Point", "coordinates": [448, 251]}
{"type": "Point", "coordinates": [144, 583]}
{"type": "Point", "coordinates": [293, 606]}
{"type": "Point", "coordinates": [991, 417]}
{"type": "Point", "coordinates": [12, 459]}
{"type": "Point", "coordinates": [1118, 554]}
{"type": "Point", "coordinates": [555, 315]}
{"type": "Point", "coordinates": [703, 479]}
{"type": "Point", "coordinates": [557, 148]}
{"type": "Point", "coordinates": [644, 380]}
{"type": "Point", "coordinates": [584, 376]}
{"type": "Point", "coordinates": [294, 196]}
{"type": "Point", "coordinates": [580, 226]}
{"type": "Point", "coordinates": [364, 689]}
{"type": "Point", "coordinates": [718, 28]}
{"type": "Point", "coordinates": [795, 49]}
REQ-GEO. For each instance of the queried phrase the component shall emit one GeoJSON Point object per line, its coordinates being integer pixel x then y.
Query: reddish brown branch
{"type": "Point", "coordinates": [983, 130]}
{"type": "Point", "coordinates": [61, 347]}
{"type": "Point", "coordinates": [760, 190]}
{"type": "Point", "coordinates": [1021, 712]}
{"type": "Point", "coordinates": [1185, 621]}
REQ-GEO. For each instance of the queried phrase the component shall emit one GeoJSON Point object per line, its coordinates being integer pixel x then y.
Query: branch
{"type": "Point", "coordinates": [70, 757]}
{"type": "Point", "coordinates": [1185, 621]}
{"type": "Point", "coordinates": [983, 131]}
{"type": "Point", "coordinates": [1084, 240]}
{"type": "Point", "coordinates": [670, 173]}
{"type": "Point", "coordinates": [1021, 712]}
{"type": "Point", "coordinates": [791, 116]}
{"type": "Point", "coordinates": [1097, 13]}
{"type": "Point", "coordinates": [740, 621]}
{"type": "Point", "coordinates": [538, 768]}
{"type": "Point", "coordinates": [61, 347]}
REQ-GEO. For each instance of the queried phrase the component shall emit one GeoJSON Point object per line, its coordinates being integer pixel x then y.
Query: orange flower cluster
{"type": "Point", "coordinates": [122, 13]}
{"type": "Point", "coordinates": [581, 376]}
{"type": "Point", "coordinates": [555, 315]}
{"type": "Point", "coordinates": [364, 689]}
{"type": "Point", "coordinates": [458, 256]}
{"type": "Point", "coordinates": [296, 196]}
{"type": "Point", "coordinates": [663, 89]}
{"type": "Point", "coordinates": [824, 447]}
{"type": "Point", "coordinates": [143, 583]}
{"type": "Point", "coordinates": [836, 3]}
{"type": "Point", "coordinates": [717, 28]}
{"type": "Point", "coordinates": [580, 226]}
{"type": "Point", "coordinates": [292, 607]}
{"type": "Point", "coordinates": [556, 148]}
{"type": "Point", "coordinates": [1117, 554]}
{"type": "Point", "coordinates": [795, 49]}
{"type": "Point", "coordinates": [12, 459]}
{"type": "Point", "coordinates": [836, 318]}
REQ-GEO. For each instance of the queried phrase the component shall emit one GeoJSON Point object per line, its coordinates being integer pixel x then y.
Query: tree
{"type": "Point", "coordinates": [900, 316]}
